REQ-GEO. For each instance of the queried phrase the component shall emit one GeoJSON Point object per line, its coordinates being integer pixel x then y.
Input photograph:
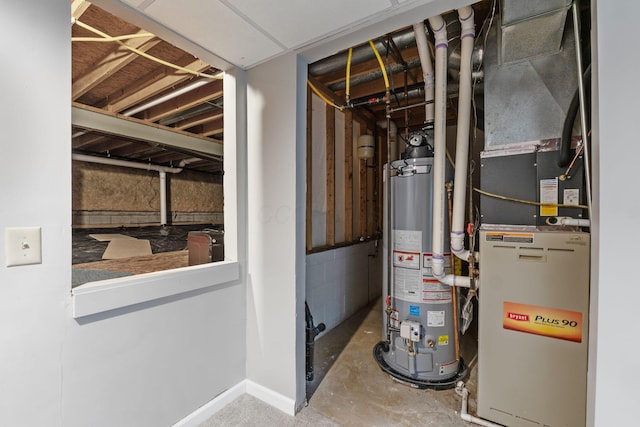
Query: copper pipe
{"type": "Point", "coordinates": [454, 290]}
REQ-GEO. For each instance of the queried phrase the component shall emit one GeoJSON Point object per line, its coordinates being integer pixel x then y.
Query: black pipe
{"type": "Point", "coordinates": [572, 113]}
{"type": "Point", "coordinates": [312, 333]}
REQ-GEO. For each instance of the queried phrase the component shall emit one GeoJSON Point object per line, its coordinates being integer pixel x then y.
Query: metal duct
{"type": "Point", "coordinates": [403, 39]}
{"type": "Point", "coordinates": [374, 75]}
{"type": "Point", "coordinates": [531, 28]}
{"type": "Point", "coordinates": [527, 100]}
{"type": "Point", "coordinates": [360, 54]}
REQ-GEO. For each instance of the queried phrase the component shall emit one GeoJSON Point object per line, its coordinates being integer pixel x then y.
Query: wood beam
{"type": "Point", "coordinates": [78, 8]}
{"type": "Point", "coordinates": [208, 92]}
{"type": "Point", "coordinates": [212, 128]}
{"type": "Point", "coordinates": [362, 191]}
{"type": "Point", "coordinates": [331, 174]}
{"type": "Point", "coordinates": [151, 85]}
{"type": "Point", "coordinates": [309, 229]}
{"type": "Point", "coordinates": [348, 176]}
{"type": "Point", "coordinates": [205, 117]}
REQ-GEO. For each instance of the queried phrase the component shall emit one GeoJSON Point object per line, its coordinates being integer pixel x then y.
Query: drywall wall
{"type": "Point", "coordinates": [276, 177]}
{"type": "Point", "coordinates": [35, 191]}
{"type": "Point", "coordinates": [154, 363]}
{"type": "Point", "coordinates": [145, 365]}
{"type": "Point", "coordinates": [341, 281]}
{"type": "Point", "coordinates": [613, 362]}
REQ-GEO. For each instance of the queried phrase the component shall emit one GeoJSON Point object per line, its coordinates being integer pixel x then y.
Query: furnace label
{"type": "Point", "coordinates": [545, 321]}
{"type": "Point", "coordinates": [549, 194]}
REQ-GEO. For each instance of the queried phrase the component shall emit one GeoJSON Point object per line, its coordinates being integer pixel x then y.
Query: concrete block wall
{"type": "Point", "coordinates": [341, 281]}
{"type": "Point", "coordinates": [130, 218]}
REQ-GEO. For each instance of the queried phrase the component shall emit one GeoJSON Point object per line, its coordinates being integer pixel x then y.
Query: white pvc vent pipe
{"type": "Point", "coordinates": [427, 69]}
{"type": "Point", "coordinates": [162, 170]}
{"type": "Point", "coordinates": [439, 28]}
{"type": "Point", "coordinates": [467, 36]}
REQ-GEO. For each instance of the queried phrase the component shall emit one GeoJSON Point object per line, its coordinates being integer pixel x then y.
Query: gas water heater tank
{"type": "Point", "coordinates": [420, 349]}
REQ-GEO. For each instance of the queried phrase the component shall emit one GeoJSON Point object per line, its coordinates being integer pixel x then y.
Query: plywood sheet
{"type": "Point", "coordinates": [126, 248]}
{"type": "Point", "coordinates": [142, 264]}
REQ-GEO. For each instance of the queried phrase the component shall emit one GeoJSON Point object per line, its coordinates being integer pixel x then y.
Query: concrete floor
{"type": "Point", "coordinates": [349, 389]}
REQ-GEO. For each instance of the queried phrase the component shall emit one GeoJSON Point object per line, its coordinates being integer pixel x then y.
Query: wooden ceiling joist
{"type": "Point", "coordinates": [152, 85]}
{"type": "Point", "coordinates": [198, 120]}
{"type": "Point", "coordinates": [78, 7]}
{"type": "Point", "coordinates": [117, 59]}
{"type": "Point", "coordinates": [212, 128]}
{"type": "Point", "coordinates": [190, 99]}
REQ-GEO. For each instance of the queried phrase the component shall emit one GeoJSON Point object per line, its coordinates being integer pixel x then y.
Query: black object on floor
{"type": "Point", "coordinates": [312, 333]}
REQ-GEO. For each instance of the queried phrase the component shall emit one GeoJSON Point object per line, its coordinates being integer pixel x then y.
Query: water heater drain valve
{"type": "Point", "coordinates": [410, 330]}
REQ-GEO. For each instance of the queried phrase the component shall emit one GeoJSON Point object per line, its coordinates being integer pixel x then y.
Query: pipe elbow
{"type": "Point", "coordinates": [457, 241]}
{"type": "Point", "coordinates": [437, 266]}
{"type": "Point", "coordinates": [467, 24]}
{"type": "Point", "coordinates": [439, 27]}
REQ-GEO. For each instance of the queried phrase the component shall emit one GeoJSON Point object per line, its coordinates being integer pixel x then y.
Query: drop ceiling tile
{"type": "Point", "coordinates": [215, 27]}
{"type": "Point", "coordinates": [295, 23]}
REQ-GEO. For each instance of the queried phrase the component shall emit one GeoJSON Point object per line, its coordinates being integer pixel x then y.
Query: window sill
{"type": "Point", "coordinates": [105, 295]}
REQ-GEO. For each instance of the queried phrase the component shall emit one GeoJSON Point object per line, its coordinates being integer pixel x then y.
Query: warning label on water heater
{"type": "Point", "coordinates": [545, 321]}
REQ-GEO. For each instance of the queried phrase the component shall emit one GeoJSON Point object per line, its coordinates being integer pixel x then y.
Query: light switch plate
{"type": "Point", "coordinates": [23, 246]}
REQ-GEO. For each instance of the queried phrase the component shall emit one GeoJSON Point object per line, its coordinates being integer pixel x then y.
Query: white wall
{"type": "Point", "coordinates": [276, 102]}
{"type": "Point", "coordinates": [150, 364]}
{"type": "Point", "coordinates": [35, 190]}
{"type": "Point", "coordinates": [341, 281]}
{"type": "Point", "coordinates": [613, 359]}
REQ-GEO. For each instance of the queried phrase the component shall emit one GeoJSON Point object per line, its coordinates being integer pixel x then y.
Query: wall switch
{"type": "Point", "coordinates": [23, 246]}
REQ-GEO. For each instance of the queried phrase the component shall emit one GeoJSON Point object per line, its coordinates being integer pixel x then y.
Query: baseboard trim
{"type": "Point", "coordinates": [272, 398]}
{"type": "Point", "coordinates": [268, 396]}
{"type": "Point", "coordinates": [206, 411]}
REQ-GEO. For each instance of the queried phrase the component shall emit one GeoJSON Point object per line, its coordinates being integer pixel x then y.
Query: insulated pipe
{"type": "Point", "coordinates": [462, 140]}
{"type": "Point", "coordinates": [360, 54]}
{"type": "Point", "coordinates": [439, 28]}
{"type": "Point", "coordinates": [427, 69]}
{"type": "Point", "coordinates": [162, 170]}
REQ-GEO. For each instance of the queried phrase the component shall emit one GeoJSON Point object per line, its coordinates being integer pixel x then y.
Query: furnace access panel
{"type": "Point", "coordinates": [533, 327]}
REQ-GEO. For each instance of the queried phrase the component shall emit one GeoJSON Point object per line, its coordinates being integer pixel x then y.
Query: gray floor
{"type": "Point", "coordinates": [349, 389]}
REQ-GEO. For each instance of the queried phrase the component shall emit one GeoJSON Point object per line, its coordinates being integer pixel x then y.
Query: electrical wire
{"type": "Point", "coordinates": [324, 98]}
{"type": "Point", "coordinates": [146, 55]}
{"type": "Point", "coordinates": [111, 38]}
{"type": "Point", "coordinates": [527, 202]}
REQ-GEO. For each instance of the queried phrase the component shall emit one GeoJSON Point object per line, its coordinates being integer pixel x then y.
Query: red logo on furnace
{"type": "Point", "coordinates": [519, 317]}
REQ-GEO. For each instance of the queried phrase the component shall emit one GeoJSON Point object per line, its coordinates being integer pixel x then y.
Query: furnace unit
{"type": "Point", "coordinates": [533, 326]}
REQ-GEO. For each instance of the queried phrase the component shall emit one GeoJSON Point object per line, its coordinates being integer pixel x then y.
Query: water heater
{"type": "Point", "coordinates": [419, 335]}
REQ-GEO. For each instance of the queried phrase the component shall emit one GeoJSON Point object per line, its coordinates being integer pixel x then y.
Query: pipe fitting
{"type": "Point", "coordinates": [437, 266]}
{"type": "Point", "coordinates": [467, 24]}
{"type": "Point", "coordinates": [439, 27]}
